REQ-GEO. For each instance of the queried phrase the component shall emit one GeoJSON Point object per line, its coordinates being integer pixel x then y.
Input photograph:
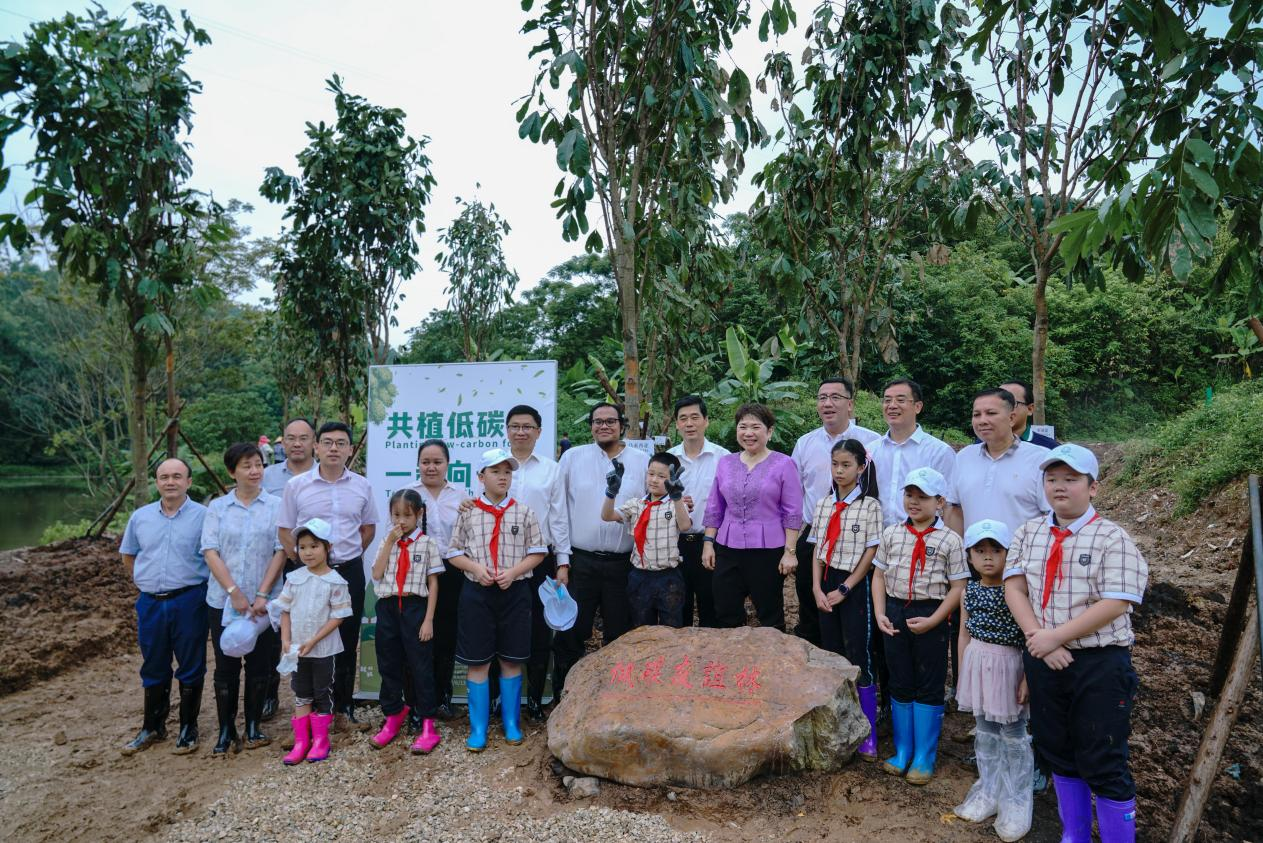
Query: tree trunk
{"type": "Point", "coordinates": [851, 367]}
{"type": "Point", "coordinates": [173, 432]}
{"type": "Point", "coordinates": [136, 422]}
{"type": "Point", "coordinates": [1039, 344]}
{"type": "Point", "coordinates": [629, 310]}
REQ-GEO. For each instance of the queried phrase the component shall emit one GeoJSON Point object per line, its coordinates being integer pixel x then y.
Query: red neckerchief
{"type": "Point", "coordinates": [833, 531]}
{"type": "Point", "coordinates": [401, 570]}
{"type": "Point", "coordinates": [1052, 565]}
{"type": "Point", "coordinates": [494, 545]}
{"type": "Point", "coordinates": [918, 552]}
{"type": "Point", "coordinates": [642, 527]}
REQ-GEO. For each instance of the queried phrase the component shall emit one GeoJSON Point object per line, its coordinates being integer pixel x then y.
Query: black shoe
{"type": "Point", "coordinates": [154, 728]}
{"type": "Point", "coordinates": [348, 711]}
{"type": "Point", "coordinates": [272, 702]}
{"type": "Point", "coordinates": [226, 708]}
{"type": "Point", "coordinates": [444, 711]}
{"type": "Point", "coordinates": [256, 693]}
{"type": "Point", "coordinates": [415, 722]}
{"type": "Point", "coordinates": [535, 710]}
{"type": "Point", "coordinates": [190, 707]}
{"type": "Point", "coordinates": [495, 708]}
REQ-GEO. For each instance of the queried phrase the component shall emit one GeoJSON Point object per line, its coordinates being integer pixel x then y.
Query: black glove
{"type": "Point", "coordinates": [614, 480]}
{"type": "Point", "coordinates": [675, 486]}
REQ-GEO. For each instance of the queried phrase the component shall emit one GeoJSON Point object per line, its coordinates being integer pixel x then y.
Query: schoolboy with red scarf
{"type": "Point", "coordinates": [1071, 580]}
{"type": "Point", "coordinates": [655, 583]}
{"type": "Point", "coordinates": [496, 543]}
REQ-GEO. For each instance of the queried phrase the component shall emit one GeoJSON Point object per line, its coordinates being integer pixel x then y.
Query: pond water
{"type": "Point", "coordinates": [31, 504]}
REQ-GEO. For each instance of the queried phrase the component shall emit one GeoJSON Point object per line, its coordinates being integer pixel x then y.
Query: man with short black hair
{"type": "Point", "coordinates": [161, 550]}
{"type": "Point", "coordinates": [835, 403]}
{"type": "Point", "coordinates": [346, 500]}
{"type": "Point", "coordinates": [905, 447]}
{"type": "Point", "coordinates": [699, 457]}
{"type": "Point", "coordinates": [1023, 409]}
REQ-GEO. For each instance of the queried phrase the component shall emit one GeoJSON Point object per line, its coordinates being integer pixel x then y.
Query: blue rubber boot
{"type": "Point", "coordinates": [1074, 804]}
{"type": "Point", "coordinates": [511, 708]}
{"type": "Point", "coordinates": [901, 726]}
{"type": "Point", "coordinates": [479, 694]}
{"type": "Point", "coordinates": [1116, 820]}
{"type": "Point", "coordinates": [927, 723]}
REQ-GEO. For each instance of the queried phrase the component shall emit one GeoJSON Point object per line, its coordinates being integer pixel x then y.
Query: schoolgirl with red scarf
{"type": "Point", "coordinates": [921, 574]}
{"type": "Point", "coordinates": [406, 582]}
{"type": "Point", "coordinates": [496, 542]}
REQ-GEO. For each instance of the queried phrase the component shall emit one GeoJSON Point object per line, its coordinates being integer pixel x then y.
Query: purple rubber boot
{"type": "Point", "coordinates": [1116, 821]}
{"type": "Point", "coordinates": [868, 704]}
{"type": "Point", "coordinates": [1074, 804]}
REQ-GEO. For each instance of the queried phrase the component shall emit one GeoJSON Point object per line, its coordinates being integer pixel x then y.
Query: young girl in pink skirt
{"type": "Point", "coordinates": [993, 687]}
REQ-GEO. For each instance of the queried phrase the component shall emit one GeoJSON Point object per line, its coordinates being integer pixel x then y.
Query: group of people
{"type": "Point", "coordinates": [907, 556]}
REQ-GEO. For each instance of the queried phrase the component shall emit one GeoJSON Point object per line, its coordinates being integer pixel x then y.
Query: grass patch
{"type": "Point", "coordinates": [1197, 452]}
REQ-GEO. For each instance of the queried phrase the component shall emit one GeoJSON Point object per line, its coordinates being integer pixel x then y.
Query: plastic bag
{"type": "Point", "coordinates": [289, 661]}
{"type": "Point", "coordinates": [239, 637]}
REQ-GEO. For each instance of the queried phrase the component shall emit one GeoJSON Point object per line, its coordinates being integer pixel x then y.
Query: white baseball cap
{"type": "Point", "coordinates": [494, 457]}
{"type": "Point", "coordinates": [988, 528]}
{"type": "Point", "coordinates": [927, 480]}
{"type": "Point", "coordinates": [1076, 456]}
{"type": "Point", "coordinates": [318, 527]}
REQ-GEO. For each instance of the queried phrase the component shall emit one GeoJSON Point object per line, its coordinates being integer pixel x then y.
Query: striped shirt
{"type": "Point", "coordinates": [662, 536]}
{"type": "Point", "coordinates": [861, 529]}
{"type": "Point", "coordinates": [520, 536]}
{"type": "Point", "coordinates": [424, 559]}
{"type": "Point", "coordinates": [1099, 561]}
{"type": "Point", "coordinates": [944, 561]}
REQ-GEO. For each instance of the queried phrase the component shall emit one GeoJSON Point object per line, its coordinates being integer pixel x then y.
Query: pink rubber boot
{"type": "Point", "coordinates": [390, 729]}
{"type": "Point", "coordinates": [320, 724]}
{"type": "Point", "coordinates": [302, 739]}
{"type": "Point", "coordinates": [428, 739]}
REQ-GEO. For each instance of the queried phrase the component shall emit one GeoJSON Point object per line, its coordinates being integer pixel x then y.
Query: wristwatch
{"type": "Point", "coordinates": [845, 589]}
{"type": "Point", "coordinates": [230, 590]}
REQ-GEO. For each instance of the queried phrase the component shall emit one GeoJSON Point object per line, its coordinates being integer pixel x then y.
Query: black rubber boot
{"type": "Point", "coordinates": [536, 675]}
{"type": "Point", "coordinates": [226, 707]}
{"type": "Point", "coordinates": [190, 707]}
{"type": "Point", "coordinates": [272, 702]}
{"type": "Point", "coordinates": [256, 693]}
{"type": "Point", "coordinates": [154, 724]}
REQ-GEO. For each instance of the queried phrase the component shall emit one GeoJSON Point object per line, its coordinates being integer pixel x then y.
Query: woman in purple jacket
{"type": "Point", "coordinates": [752, 520]}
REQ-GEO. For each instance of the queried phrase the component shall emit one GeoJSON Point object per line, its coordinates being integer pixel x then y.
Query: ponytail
{"type": "Point", "coordinates": [867, 480]}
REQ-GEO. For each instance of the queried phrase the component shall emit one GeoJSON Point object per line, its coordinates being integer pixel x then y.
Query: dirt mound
{"type": "Point", "coordinates": [63, 604]}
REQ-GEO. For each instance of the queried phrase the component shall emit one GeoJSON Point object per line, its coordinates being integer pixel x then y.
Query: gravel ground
{"type": "Point", "coordinates": [452, 796]}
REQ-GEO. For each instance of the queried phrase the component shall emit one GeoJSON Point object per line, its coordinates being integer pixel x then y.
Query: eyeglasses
{"type": "Point", "coordinates": [605, 422]}
{"type": "Point", "coordinates": [898, 401]}
{"type": "Point", "coordinates": [335, 443]}
{"type": "Point", "coordinates": [832, 397]}
{"type": "Point", "coordinates": [522, 428]}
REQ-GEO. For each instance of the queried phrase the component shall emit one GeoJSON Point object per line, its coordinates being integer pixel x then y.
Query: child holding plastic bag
{"type": "Point", "coordinates": [993, 687]}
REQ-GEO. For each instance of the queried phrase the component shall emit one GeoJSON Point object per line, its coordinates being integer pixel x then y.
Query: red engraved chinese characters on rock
{"type": "Point", "coordinates": [713, 675]}
{"type": "Point", "coordinates": [681, 673]}
{"type": "Point", "coordinates": [621, 673]}
{"type": "Point", "coordinates": [748, 680]}
{"type": "Point", "coordinates": [652, 674]}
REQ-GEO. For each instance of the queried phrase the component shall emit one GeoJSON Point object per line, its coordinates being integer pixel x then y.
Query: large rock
{"type": "Point", "coordinates": [707, 708]}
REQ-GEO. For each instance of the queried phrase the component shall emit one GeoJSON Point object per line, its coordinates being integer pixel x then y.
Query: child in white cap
{"type": "Point", "coordinates": [313, 603]}
{"type": "Point", "coordinates": [993, 687]}
{"type": "Point", "coordinates": [496, 543]}
{"type": "Point", "coordinates": [1071, 581]}
{"type": "Point", "coordinates": [920, 575]}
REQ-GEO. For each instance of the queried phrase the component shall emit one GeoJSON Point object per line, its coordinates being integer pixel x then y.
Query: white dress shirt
{"type": "Point", "coordinates": [894, 460]}
{"type": "Point", "coordinates": [815, 468]}
{"type": "Point", "coordinates": [1009, 488]}
{"type": "Point", "coordinates": [440, 513]}
{"type": "Point", "coordinates": [582, 471]}
{"type": "Point", "coordinates": [535, 484]}
{"type": "Point", "coordinates": [699, 476]}
{"type": "Point", "coordinates": [347, 503]}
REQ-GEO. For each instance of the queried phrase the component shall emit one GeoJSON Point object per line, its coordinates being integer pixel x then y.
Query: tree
{"type": "Point", "coordinates": [356, 212]}
{"type": "Point", "coordinates": [108, 101]}
{"type": "Point", "coordinates": [879, 78]}
{"type": "Point", "coordinates": [650, 124]}
{"type": "Point", "coordinates": [1119, 129]}
{"type": "Point", "coordinates": [479, 280]}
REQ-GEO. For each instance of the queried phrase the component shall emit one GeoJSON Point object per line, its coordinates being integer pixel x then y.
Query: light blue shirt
{"type": "Point", "coordinates": [166, 547]}
{"type": "Point", "coordinates": [276, 475]}
{"type": "Point", "coordinates": [245, 538]}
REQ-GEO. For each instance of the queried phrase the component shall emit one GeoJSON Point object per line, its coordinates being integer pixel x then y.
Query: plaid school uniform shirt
{"type": "Point", "coordinates": [662, 533]}
{"type": "Point", "coordinates": [944, 562]}
{"type": "Point", "coordinates": [1099, 561]}
{"type": "Point", "coordinates": [423, 559]}
{"type": "Point", "coordinates": [859, 529]}
{"type": "Point", "coordinates": [520, 535]}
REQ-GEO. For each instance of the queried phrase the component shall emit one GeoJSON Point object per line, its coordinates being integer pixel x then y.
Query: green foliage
{"type": "Point", "coordinates": [217, 421]}
{"type": "Point", "coordinates": [381, 394]}
{"type": "Point", "coordinates": [62, 530]}
{"type": "Point", "coordinates": [479, 280]}
{"type": "Point", "coordinates": [1196, 453]}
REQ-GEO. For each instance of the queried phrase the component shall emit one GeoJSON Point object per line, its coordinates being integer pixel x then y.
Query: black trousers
{"type": "Point", "coordinates": [597, 581]}
{"type": "Point", "coordinates": [313, 683]}
{"type": "Point", "coordinates": [541, 633]}
{"type": "Point", "coordinates": [698, 582]}
{"type": "Point", "coordinates": [402, 657]}
{"type": "Point", "coordinates": [846, 629]}
{"type": "Point", "coordinates": [1081, 717]}
{"type": "Point", "coordinates": [808, 615]}
{"type": "Point", "coordinates": [259, 661]}
{"type": "Point", "coordinates": [656, 597]}
{"type": "Point", "coordinates": [451, 581]}
{"type": "Point", "coordinates": [753, 573]}
{"type": "Point", "coordinates": [346, 662]}
{"type": "Point", "coordinates": [918, 663]}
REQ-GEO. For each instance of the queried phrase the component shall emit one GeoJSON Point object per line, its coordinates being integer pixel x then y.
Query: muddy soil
{"type": "Point", "coordinates": [69, 696]}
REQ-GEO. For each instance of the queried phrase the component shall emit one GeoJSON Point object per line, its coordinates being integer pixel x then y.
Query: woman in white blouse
{"type": "Point", "coordinates": [442, 502]}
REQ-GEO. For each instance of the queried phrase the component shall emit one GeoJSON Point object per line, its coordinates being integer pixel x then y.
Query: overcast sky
{"type": "Point", "coordinates": [456, 68]}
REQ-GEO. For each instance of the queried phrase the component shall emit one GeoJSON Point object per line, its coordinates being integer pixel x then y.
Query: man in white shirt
{"type": "Point", "coordinates": [835, 404]}
{"type": "Point", "coordinates": [600, 551]}
{"type": "Point", "coordinates": [699, 457]}
{"type": "Point", "coordinates": [905, 447]}
{"type": "Point", "coordinates": [998, 477]}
